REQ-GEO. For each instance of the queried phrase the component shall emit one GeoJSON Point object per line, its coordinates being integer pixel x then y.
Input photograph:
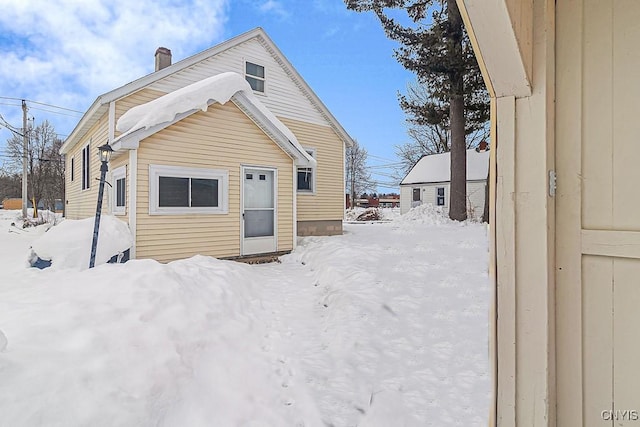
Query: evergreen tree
{"type": "Point", "coordinates": [440, 54]}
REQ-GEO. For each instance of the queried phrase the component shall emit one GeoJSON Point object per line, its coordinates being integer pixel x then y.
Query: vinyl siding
{"type": "Point", "coordinates": [82, 203]}
{"type": "Point", "coordinates": [221, 138]}
{"type": "Point", "coordinates": [327, 203]}
{"type": "Point", "coordinates": [282, 96]}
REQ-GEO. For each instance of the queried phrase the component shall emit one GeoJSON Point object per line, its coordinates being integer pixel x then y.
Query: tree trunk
{"type": "Point", "coordinates": [458, 189]}
{"type": "Point", "coordinates": [485, 213]}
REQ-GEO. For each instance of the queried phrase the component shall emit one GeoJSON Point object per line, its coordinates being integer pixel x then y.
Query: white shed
{"type": "Point", "coordinates": [429, 181]}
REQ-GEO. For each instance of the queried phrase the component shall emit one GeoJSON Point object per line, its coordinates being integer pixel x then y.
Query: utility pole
{"type": "Point", "coordinates": [25, 144]}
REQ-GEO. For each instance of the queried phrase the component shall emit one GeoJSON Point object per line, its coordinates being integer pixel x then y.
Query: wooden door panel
{"type": "Point", "coordinates": [597, 309]}
{"type": "Point", "coordinates": [626, 338]}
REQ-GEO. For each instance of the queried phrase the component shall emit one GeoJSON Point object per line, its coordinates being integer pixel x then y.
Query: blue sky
{"type": "Point", "coordinates": [65, 53]}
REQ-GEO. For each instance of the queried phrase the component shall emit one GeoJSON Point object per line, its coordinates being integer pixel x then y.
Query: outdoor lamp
{"type": "Point", "coordinates": [104, 152]}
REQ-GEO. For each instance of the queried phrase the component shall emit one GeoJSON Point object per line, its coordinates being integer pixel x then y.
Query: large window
{"type": "Point", "coordinates": [120, 190]}
{"type": "Point", "coordinates": [178, 190]}
{"type": "Point", "coordinates": [440, 196]}
{"type": "Point", "coordinates": [306, 176]}
{"type": "Point", "coordinates": [254, 74]}
{"type": "Point", "coordinates": [86, 161]}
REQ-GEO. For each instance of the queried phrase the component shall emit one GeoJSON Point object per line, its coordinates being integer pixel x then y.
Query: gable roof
{"type": "Point", "coordinates": [146, 119]}
{"type": "Point", "coordinates": [101, 105]}
{"type": "Point", "coordinates": [437, 168]}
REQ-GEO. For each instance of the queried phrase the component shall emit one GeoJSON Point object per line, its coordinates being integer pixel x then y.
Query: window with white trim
{"type": "Point", "coordinates": [306, 176]}
{"type": "Point", "coordinates": [72, 167]}
{"type": "Point", "coordinates": [254, 74]}
{"type": "Point", "coordinates": [86, 162]}
{"type": "Point", "coordinates": [119, 176]}
{"type": "Point", "coordinates": [439, 196]}
{"type": "Point", "coordinates": [181, 190]}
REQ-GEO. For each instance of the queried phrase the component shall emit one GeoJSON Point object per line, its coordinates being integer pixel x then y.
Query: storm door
{"type": "Point", "coordinates": [258, 210]}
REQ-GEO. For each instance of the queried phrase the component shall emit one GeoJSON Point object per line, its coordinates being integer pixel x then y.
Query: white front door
{"type": "Point", "coordinates": [258, 210]}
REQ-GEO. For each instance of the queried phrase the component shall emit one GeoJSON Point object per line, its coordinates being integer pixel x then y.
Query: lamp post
{"type": "Point", "coordinates": [104, 152]}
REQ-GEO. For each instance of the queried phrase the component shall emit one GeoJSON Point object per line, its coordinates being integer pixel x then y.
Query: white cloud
{"type": "Point", "coordinates": [67, 52]}
{"type": "Point", "coordinates": [275, 7]}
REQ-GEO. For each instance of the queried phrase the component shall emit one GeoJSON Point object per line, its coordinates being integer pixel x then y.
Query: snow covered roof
{"type": "Point", "coordinates": [101, 105]}
{"type": "Point", "coordinates": [437, 168]}
{"type": "Point", "coordinates": [144, 120]}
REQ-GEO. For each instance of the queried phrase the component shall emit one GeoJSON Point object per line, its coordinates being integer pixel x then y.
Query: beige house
{"type": "Point", "coordinates": [227, 153]}
{"type": "Point", "coordinates": [429, 181]}
{"type": "Point", "coordinates": [563, 77]}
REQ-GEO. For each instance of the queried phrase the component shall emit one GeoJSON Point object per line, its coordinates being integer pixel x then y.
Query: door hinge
{"type": "Point", "coordinates": [553, 181]}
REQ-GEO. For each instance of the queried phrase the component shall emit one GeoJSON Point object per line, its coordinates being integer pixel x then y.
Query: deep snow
{"type": "Point", "coordinates": [385, 325]}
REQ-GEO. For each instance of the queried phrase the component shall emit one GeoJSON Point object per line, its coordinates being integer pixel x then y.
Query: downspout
{"type": "Point", "coordinates": [295, 205]}
{"type": "Point", "coordinates": [133, 185]}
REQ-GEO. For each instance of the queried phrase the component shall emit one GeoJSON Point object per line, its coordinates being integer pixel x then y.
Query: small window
{"type": "Point", "coordinates": [119, 190]}
{"type": "Point", "coordinates": [263, 177]}
{"type": "Point", "coordinates": [416, 194]}
{"type": "Point", "coordinates": [254, 74]}
{"type": "Point", "coordinates": [176, 190]}
{"type": "Point", "coordinates": [249, 176]}
{"type": "Point", "coordinates": [72, 167]}
{"type": "Point", "coordinates": [86, 162]}
{"type": "Point", "coordinates": [440, 196]}
{"type": "Point", "coordinates": [306, 176]}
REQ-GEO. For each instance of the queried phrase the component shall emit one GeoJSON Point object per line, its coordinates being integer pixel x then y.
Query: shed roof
{"type": "Point", "coordinates": [437, 168]}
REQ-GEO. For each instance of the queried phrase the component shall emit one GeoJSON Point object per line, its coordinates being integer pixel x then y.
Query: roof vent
{"type": "Point", "coordinates": [163, 58]}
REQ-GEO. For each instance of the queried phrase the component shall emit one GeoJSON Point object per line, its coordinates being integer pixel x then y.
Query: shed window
{"type": "Point", "coordinates": [176, 190]}
{"type": "Point", "coordinates": [416, 194]}
{"type": "Point", "coordinates": [72, 167]}
{"type": "Point", "coordinates": [254, 74]}
{"type": "Point", "coordinates": [440, 196]}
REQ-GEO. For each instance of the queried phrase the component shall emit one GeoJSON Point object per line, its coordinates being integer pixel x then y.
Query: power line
{"type": "Point", "coordinates": [54, 112]}
{"type": "Point", "coordinates": [42, 103]}
{"type": "Point", "coordinates": [380, 158]}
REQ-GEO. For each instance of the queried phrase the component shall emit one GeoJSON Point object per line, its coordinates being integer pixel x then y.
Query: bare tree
{"type": "Point", "coordinates": [45, 166]}
{"type": "Point", "coordinates": [357, 178]}
{"type": "Point", "coordinates": [431, 136]}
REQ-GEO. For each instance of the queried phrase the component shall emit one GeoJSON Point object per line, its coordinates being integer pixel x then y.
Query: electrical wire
{"type": "Point", "coordinates": [42, 103]}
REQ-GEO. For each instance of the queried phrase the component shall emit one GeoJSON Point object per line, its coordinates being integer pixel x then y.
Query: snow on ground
{"type": "Point", "coordinates": [385, 325]}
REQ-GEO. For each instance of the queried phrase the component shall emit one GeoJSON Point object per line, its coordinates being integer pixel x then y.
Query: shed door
{"type": "Point", "coordinates": [258, 211]}
{"type": "Point", "coordinates": [598, 213]}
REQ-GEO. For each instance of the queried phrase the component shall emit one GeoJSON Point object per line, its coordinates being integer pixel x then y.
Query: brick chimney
{"type": "Point", "coordinates": [163, 58]}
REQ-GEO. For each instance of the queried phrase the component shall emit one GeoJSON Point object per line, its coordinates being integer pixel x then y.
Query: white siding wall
{"type": "Point", "coordinates": [405, 199]}
{"type": "Point", "coordinates": [282, 96]}
{"type": "Point", "coordinates": [475, 196]}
